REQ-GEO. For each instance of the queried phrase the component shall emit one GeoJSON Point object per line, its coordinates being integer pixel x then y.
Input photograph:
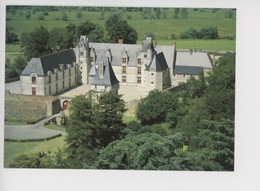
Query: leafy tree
{"type": "Point", "coordinates": [119, 29]}
{"type": "Point", "coordinates": [15, 68]}
{"type": "Point", "coordinates": [176, 13]}
{"type": "Point", "coordinates": [220, 96]}
{"type": "Point", "coordinates": [64, 16]}
{"type": "Point", "coordinates": [148, 151]}
{"type": "Point", "coordinates": [78, 14]}
{"type": "Point", "coordinates": [82, 129]}
{"type": "Point", "coordinates": [154, 108]}
{"type": "Point", "coordinates": [111, 109]}
{"type": "Point", "coordinates": [208, 32]}
{"type": "Point", "coordinates": [10, 37]}
{"type": "Point", "coordinates": [27, 14]}
{"type": "Point", "coordinates": [41, 17]}
{"type": "Point", "coordinates": [36, 43]}
{"type": "Point", "coordinates": [184, 13]}
{"type": "Point", "coordinates": [86, 28]}
{"type": "Point", "coordinates": [191, 33]}
{"type": "Point", "coordinates": [35, 160]}
{"type": "Point", "coordinates": [229, 13]}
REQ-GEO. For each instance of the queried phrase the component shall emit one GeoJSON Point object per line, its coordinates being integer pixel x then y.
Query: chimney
{"type": "Point", "coordinates": [154, 43]}
{"type": "Point", "coordinates": [120, 41]}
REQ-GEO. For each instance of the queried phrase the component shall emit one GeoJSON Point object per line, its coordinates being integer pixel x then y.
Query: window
{"type": "Point", "coordinates": [33, 80]}
{"type": "Point", "coordinates": [138, 61]}
{"type": "Point", "coordinates": [139, 70]}
{"type": "Point", "coordinates": [174, 75]}
{"type": "Point", "coordinates": [145, 56]}
{"type": "Point", "coordinates": [69, 71]}
{"type": "Point", "coordinates": [151, 82]}
{"type": "Point", "coordinates": [123, 78]}
{"type": "Point", "coordinates": [49, 89]}
{"type": "Point", "coordinates": [124, 69]}
{"type": "Point", "coordinates": [49, 79]}
{"type": "Point", "coordinates": [63, 84]}
{"type": "Point", "coordinates": [183, 75]}
{"type": "Point", "coordinates": [33, 90]}
{"type": "Point", "coordinates": [57, 76]}
{"type": "Point", "coordinates": [152, 74]}
{"type": "Point", "coordinates": [139, 79]}
{"type": "Point", "coordinates": [124, 60]}
{"type": "Point", "coordinates": [63, 74]}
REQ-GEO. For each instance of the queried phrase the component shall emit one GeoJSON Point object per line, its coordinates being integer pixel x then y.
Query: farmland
{"type": "Point", "coordinates": [163, 29]}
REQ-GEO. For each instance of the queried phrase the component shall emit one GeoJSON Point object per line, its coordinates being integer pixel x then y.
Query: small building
{"type": "Point", "coordinates": [51, 74]}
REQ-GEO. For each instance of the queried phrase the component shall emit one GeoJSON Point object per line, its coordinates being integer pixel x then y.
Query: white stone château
{"type": "Point", "coordinates": [109, 66]}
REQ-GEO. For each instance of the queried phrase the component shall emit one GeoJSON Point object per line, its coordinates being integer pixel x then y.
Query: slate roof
{"type": "Point", "coordinates": [132, 51]}
{"type": "Point", "coordinates": [42, 65]}
{"type": "Point", "coordinates": [34, 66]}
{"type": "Point", "coordinates": [158, 63]}
{"type": "Point", "coordinates": [188, 70]}
{"type": "Point", "coordinates": [109, 78]}
{"type": "Point", "coordinates": [186, 58]}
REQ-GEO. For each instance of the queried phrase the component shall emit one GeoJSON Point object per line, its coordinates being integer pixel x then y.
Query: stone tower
{"type": "Point", "coordinates": [83, 59]}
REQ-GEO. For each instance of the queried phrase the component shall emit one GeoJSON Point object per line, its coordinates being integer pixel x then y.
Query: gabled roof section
{"type": "Point", "coordinates": [188, 70]}
{"type": "Point", "coordinates": [42, 65]}
{"type": "Point", "coordinates": [52, 61]}
{"type": "Point", "coordinates": [34, 66]}
{"type": "Point", "coordinates": [109, 78]}
{"type": "Point", "coordinates": [158, 63]}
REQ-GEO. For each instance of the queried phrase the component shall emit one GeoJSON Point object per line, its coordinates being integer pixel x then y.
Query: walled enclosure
{"type": "Point", "coordinates": [29, 108]}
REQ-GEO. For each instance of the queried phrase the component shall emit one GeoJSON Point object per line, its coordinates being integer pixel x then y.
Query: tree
{"type": "Point", "coordinates": [148, 151]}
{"type": "Point", "coordinates": [208, 32]}
{"type": "Point", "coordinates": [119, 29]}
{"type": "Point", "coordinates": [82, 129]}
{"type": "Point", "coordinates": [27, 14]}
{"type": "Point", "coordinates": [191, 33]}
{"type": "Point", "coordinates": [176, 13]}
{"type": "Point", "coordinates": [10, 36]}
{"type": "Point", "coordinates": [78, 14]}
{"type": "Point", "coordinates": [85, 28]}
{"type": "Point", "coordinates": [36, 43]}
{"type": "Point", "coordinates": [111, 108]}
{"type": "Point", "coordinates": [34, 160]}
{"type": "Point", "coordinates": [184, 13]}
{"type": "Point", "coordinates": [220, 96]}
{"type": "Point", "coordinates": [64, 16]}
{"type": "Point", "coordinates": [15, 68]}
{"type": "Point", "coordinates": [155, 107]}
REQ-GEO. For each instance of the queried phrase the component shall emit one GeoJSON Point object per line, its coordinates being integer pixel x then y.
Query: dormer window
{"type": "Point", "coordinates": [138, 61]}
{"type": "Point", "coordinates": [33, 79]}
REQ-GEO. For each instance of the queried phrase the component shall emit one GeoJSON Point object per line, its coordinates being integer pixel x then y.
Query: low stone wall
{"type": "Point", "coordinates": [29, 108]}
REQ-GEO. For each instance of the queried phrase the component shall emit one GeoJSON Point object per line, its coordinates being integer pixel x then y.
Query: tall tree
{"type": "Point", "coordinates": [155, 107]}
{"type": "Point", "coordinates": [82, 132]}
{"type": "Point", "coordinates": [36, 43]}
{"type": "Point", "coordinates": [111, 109]}
{"type": "Point", "coordinates": [119, 29]}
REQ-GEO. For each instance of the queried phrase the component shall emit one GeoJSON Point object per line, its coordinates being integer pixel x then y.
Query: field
{"type": "Point", "coordinates": [162, 28]}
{"type": "Point", "coordinates": [13, 149]}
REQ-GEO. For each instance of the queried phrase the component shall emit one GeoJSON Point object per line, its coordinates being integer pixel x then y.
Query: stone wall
{"type": "Point", "coordinates": [30, 108]}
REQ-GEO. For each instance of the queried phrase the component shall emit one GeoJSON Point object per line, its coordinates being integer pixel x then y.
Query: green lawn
{"type": "Point", "coordinates": [13, 149]}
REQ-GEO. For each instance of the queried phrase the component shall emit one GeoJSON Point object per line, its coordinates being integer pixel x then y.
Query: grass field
{"type": "Point", "coordinates": [162, 28]}
{"type": "Point", "coordinates": [13, 149]}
